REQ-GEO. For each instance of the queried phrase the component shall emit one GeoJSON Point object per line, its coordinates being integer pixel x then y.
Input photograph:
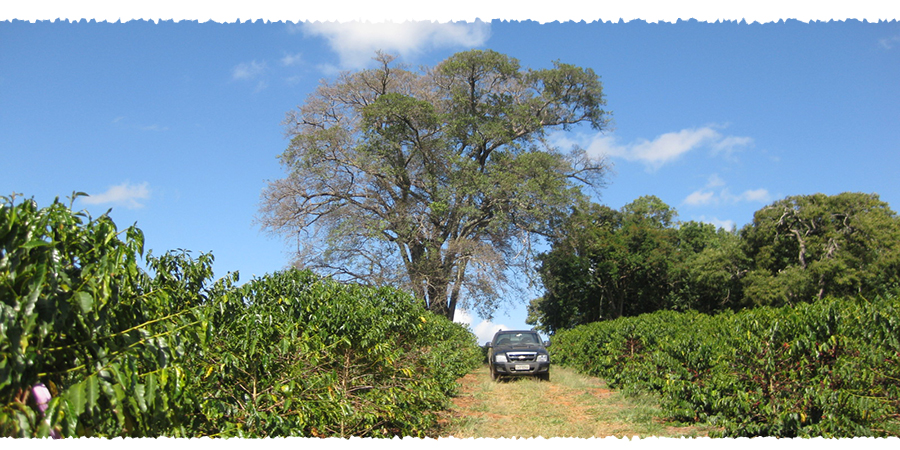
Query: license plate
{"type": "Point", "coordinates": [522, 367]}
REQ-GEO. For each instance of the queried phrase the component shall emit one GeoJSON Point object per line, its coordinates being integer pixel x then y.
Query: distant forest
{"type": "Point", "coordinates": [608, 263]}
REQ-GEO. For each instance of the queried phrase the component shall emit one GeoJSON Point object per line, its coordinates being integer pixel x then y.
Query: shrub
{"type": "Point", "coordinates": [129, 352]}
{"type": "Point", "coordinates": [824, 369]}
{"type": "Point", "coordinates": [299, 355]}
{"type": "Point", "coordinates": [78, 315]}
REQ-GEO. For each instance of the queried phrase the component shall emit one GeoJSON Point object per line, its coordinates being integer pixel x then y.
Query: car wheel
{"type": "Point", "coordinates": [494, 375]}
{"type": "Point", "coordinates": [544, 376]}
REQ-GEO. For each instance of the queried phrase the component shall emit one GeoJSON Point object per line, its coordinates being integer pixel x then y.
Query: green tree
{"type": "Point", "coordinates": [607, 264]}
{"type": "Point", "coordinates": [810, 246]}
{"type": "Point", "coordinates": [572, 294]}
{"type": "Point", "coordinates": [437, 180]}
{"type": "Point", "coordinates": [708, 269]}
{"type": "Point", "coordinates": [642, 281]}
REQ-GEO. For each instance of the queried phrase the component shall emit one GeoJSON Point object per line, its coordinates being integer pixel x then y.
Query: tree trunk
{"type": "Point", "coordinates": [454, 294]}
{"type": "Point", "coordinates": [437, 299]}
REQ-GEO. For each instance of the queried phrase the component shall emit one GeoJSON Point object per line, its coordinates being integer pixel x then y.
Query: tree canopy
{"type": "Point", "coordinates": [611, 263]}
{"type": "Point", "coordinates": [435, 180]}
{"type": "Point", "coordinates": [810, 246]}
{"type": "Point", "coordinates": [607, 263]}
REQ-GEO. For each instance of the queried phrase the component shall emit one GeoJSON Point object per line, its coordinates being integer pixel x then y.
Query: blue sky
{"type": "Point", "coordinates": [177, 126]}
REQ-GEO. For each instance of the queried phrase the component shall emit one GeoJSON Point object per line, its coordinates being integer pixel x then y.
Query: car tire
{"type": "Point", "coordinates": [494, 375]}
{"type": "Point", "coordinates": [544, 376]}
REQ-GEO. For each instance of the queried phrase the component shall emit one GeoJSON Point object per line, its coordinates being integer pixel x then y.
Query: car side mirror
{"type": "Point", "coordinates": [489, 345]}
{"type": "Point", "coordinates": [546, 343]}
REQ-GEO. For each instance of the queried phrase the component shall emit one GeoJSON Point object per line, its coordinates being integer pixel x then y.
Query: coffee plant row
{"type": "Point", "coordinates": [830, 368]}
{"type": "Point", "coordinates": [95, 343]}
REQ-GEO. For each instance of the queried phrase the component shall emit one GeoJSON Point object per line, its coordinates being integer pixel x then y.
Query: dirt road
{"type": "Point", "coordinates": [570, 405]}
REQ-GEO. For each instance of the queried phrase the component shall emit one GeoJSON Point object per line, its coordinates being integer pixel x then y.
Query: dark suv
{"type": "Point", "coordinates": [518, 353]}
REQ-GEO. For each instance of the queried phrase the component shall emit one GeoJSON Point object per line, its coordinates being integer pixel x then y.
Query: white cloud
{"type": "Point", "coordinates": [485, 329]}
{"type": "Point", "coordinates": [248, 71]}
{"type": "Point", "coordinates": [705, 196]}
{"type": "Point", "coordinates": [732, 143]}
{"type": "Point", "coordinates": [708, 195]}
{"type": "Point", "coordinates": [755, 195]}
{"type": "Point", "coordinates": [669, 146]}
{"type": "Point", "coordinates": [356, 42]}
{"type": "Point", "coordinates": [329, 70]}
{"type": "Point", "coordinates": [700, 197]}
{"type": "Point", "coordinates": [715, 181]}
{"type": "Point", "coordinates": [125, 194]}
{"type": "Point", "coordinates": [889, 43]}
{"type": "Point", "coordinates": [726, 224]}
{"type": "Point", "coordinates": [291, 60]}
{"type": "Point", "coordinates": [664, 148]}
{"type": "Point", "coordinates": [462, 316]}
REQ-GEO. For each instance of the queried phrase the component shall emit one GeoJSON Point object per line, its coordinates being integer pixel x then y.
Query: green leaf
{"type": "Point", "coordinates": [119, 403]}
{"type": "Point", "coordinates": [140, 396]}
{"type": "Point", "coordinates": [36, 243]}
{"type": "Point", "coordinates": [85, 301]}
{"type": "Point", "coordinates": [76, 398]}
{"type": "Point", "coordinates": [150, 390]}
{"type": "Point", "coordinates": [93, 391]}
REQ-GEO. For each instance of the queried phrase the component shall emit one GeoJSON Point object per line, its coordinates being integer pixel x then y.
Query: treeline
{"type": "Point", "coordinates": [789, 327]}
{"type": "Point", "coordinates": [829, 368]}
{"type": "Point", "coordinates": [608, 263]}
{"type": "Point", "coordinates": [92, 344]}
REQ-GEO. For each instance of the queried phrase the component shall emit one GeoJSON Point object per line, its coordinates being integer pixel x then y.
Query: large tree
{"type": "Point", "coordinates": [606, 264]}
{"type": "Point", "coordinates": [807, 247]}
{"type": "Point", "coordinates": [436, 180]}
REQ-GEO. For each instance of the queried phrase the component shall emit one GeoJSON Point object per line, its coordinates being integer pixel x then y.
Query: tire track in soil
{"type": "Point", "coordinates": [570, 405]}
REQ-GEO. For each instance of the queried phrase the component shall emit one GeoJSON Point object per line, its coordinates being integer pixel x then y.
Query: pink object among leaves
{"type": "Point", "coordinates": [42, 398]}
